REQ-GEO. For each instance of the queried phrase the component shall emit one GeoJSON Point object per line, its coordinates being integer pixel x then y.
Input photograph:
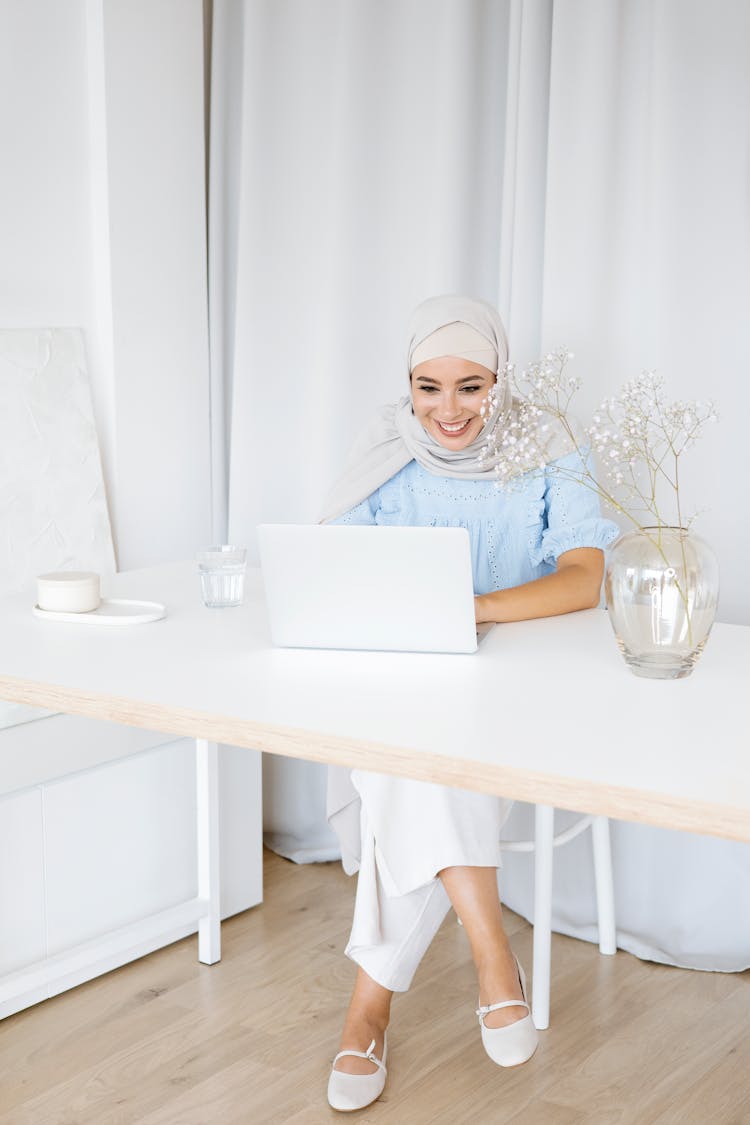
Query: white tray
{"type": "Point", "coordinates": [113, 611]}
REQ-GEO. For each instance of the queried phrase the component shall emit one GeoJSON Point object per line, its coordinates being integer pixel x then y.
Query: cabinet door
{"type": "Point", "coordinates": [121, 840]}
{"type": "Point", "coordinates": [21, 880]}
{"type": "Point", "coordinates": [120, 843]}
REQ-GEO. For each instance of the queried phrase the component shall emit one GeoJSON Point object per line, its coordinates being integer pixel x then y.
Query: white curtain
{"type": "Point", "coordinates": [580, 163]}
{"type": "Point", "coordinates": [647, 241]}
{"type": "Point", "coordinates": [646, 263]}
{"type": "Point", "coordinates": [370, 177]}
{"type": "Point", "coordinates": [357, 153]}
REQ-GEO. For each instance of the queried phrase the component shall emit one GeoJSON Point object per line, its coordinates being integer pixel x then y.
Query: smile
{"type": "Point", "coordinates": [454, 427]}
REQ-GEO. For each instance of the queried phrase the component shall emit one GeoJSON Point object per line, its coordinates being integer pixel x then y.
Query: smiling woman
{"type": "Point", "coordinates": [536, 550]}
{"type": "Point", "coordinates": [447, 396]}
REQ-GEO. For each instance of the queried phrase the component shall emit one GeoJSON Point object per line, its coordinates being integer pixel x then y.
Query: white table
{"type": "Point", "coordinates": [546, 711]}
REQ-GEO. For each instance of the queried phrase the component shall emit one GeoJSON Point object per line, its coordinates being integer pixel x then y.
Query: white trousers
{"type": "Point", "coordinates": [399, 834]}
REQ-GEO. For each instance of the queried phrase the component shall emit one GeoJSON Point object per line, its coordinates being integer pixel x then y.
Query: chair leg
{"type": "Point", "coordinates": [605, 891]}
{"type": "Point", "coordinates": [543, 851]}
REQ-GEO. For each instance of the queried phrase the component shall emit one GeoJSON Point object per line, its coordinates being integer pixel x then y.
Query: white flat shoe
{"type": "Point", "coordinates": [354, 1091]}
{"type": "Point", "coordinates": [516, 1043]}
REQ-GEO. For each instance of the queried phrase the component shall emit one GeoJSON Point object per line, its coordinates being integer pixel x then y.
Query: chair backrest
{"type": "Point", "coordinates": [53, 508]}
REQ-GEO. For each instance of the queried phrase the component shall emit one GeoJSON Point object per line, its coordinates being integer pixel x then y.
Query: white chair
{"type": "Point", "coordinates": [543, 846]}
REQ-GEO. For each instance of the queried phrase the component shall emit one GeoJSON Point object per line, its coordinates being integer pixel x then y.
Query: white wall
{"type": "Point", "coordinates": [102, 225]}
{"type": "Point", "coordinates": [45, 228]}
{"type": "Point", "coordinates": [44, 201]}
{"type": "Point", "coordinates": [151, 215]}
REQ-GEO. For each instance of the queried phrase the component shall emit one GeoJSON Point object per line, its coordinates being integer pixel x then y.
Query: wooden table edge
{"type": "Point", "coordinates": [574, 794]}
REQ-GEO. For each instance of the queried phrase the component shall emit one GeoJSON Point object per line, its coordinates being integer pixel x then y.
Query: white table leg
{"type": "Point", "coordinates": [544, 816]}
{"type": "Point", "coordinates": [207, 791]}
{"type": "Point", "coordinates": [605, 891]}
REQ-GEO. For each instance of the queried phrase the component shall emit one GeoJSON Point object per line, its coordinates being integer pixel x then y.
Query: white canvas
{"type": "Point", "coordinates": [53, 509]}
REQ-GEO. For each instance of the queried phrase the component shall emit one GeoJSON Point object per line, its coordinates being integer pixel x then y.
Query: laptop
{"type": "Point", "coordinates": [393, 589]}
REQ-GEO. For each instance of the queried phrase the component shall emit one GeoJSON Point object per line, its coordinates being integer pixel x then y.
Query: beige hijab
{"type": "Point", "coordinates": [394, 437]}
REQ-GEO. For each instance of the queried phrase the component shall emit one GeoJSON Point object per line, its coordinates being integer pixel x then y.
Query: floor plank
{"type": "Point", "coordinates": [168, 1041]}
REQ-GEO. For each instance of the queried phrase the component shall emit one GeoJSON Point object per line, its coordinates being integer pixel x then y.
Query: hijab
{"type": "Point", "coordinates": [394, 436]}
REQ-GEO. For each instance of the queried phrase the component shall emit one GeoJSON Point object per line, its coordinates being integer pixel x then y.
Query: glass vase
{"type": "Point", "coordinates": [662, 590]}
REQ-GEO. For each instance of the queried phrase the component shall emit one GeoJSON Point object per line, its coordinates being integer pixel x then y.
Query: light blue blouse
{"type": "Point", "coordinates": [516, 533]}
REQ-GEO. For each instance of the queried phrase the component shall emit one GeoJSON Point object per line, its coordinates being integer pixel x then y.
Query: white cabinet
{"type": "Point", "coordinates": [89, 847]}
{"type": "Point", "coordinates": [119, 843]}
{"type": "Point", "coordinates": [22, 936]}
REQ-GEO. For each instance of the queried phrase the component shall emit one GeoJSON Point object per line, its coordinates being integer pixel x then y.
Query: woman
{"type": "Point", "coordinates": [537, 550]}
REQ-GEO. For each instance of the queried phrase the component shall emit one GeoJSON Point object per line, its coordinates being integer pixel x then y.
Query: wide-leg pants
{"type": "Point", "coordinates": [398, 834]}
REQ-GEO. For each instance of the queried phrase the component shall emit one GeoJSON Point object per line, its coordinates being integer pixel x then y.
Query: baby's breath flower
{"type": "Point", "coordinates": [637, 436]}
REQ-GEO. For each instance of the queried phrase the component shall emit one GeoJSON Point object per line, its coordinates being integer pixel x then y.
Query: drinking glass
{"type": "Point", "coordinates": [222, 571]}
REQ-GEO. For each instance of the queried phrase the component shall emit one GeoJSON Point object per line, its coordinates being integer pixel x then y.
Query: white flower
{"type": "Point", "coordinates": [638, 434]}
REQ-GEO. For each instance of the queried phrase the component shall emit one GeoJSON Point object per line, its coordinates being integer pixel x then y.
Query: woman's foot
{"type": "Point", "coordinates": [358, 1033]}
{"type": "Point", "coordinates": [513, 1042]}
{"type": "Point", "coordinates": [348, 1092]}
{"type": "Point", "coordinates": [367, 1019]}
{"type": "Point", "coordinates": [474, 895]}
{"type": "Point", "coordinates": [358, 1075]}
{"type": "Point", "coordinates": [499, 980]}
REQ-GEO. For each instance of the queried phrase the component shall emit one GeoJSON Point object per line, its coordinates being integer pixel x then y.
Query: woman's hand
{"type": "Point", "coordinates": [576, 584]}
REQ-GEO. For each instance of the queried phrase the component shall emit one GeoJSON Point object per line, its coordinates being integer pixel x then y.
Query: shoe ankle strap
{"type": "Point", "coordinates": [368, 1054]}
{"type": "Point", "coordinates": [485, 1009]}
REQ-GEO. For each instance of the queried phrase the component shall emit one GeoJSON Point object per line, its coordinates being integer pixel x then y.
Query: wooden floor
{"type": "Point", "coordinates": [167, 1041]}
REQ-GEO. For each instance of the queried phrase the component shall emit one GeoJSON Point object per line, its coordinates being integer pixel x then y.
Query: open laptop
{"type": "Point", "coordinates": [397, 589]}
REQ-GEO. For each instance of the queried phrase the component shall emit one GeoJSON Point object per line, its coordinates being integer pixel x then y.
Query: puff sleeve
{"type": "Point", "coordinates": [572, 512]}
{"type": "Point", "coordinates": [363, 513]}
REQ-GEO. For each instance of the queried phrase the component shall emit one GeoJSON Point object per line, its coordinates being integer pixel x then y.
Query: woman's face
{"type": "Point", "coordinates": [447, 395]}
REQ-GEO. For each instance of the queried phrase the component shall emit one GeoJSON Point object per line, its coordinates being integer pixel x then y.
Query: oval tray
{"type": "Point", "coordinates": [111, 611]}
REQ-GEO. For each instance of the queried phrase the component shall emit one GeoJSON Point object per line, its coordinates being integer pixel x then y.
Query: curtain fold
{"type": "Point", "coordinates": [370, 178]}
{"type": "Point", "coordinates": [524, 183]}
{"type": "Point", "coordinates": [225, 156]}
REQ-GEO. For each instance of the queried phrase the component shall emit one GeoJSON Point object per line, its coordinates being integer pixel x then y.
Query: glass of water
{"type": "Point", "coordinates": [222, 571]}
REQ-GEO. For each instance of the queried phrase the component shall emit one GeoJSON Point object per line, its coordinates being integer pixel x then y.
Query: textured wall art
{"type": "Point", "coordinates": [53, 508]}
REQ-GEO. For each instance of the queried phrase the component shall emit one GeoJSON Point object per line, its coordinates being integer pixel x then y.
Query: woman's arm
{"type": "Point", "coordinates": [576, 584]}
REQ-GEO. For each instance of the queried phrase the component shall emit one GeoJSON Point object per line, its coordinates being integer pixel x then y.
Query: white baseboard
{"type": "Point", "coordinates": [56, 974]}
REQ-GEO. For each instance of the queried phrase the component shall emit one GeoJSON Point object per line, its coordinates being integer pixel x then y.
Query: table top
{"type": "Point", "coordinates": [545, 711]}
